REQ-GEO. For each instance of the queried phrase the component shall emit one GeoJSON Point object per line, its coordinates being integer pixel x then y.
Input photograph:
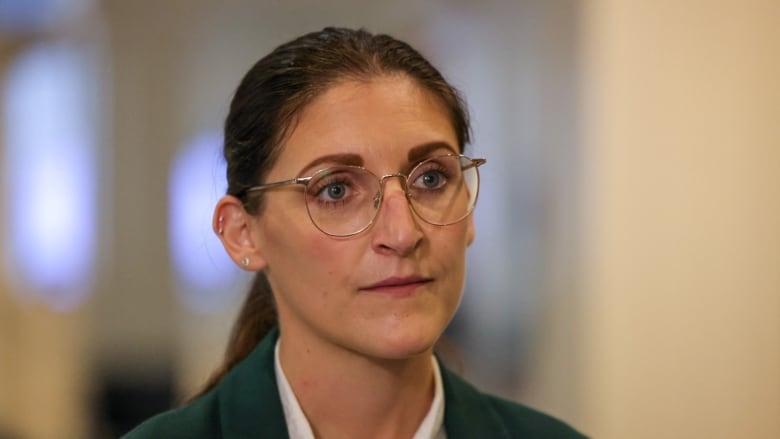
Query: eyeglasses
{"type": "Point", "coordinates": [344, 200]}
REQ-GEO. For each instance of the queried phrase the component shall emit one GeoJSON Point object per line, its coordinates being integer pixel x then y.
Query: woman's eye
{"type": "Point", "coordinates": [432, 179]}
{"type": "Point", "coordinates": [335, 191]}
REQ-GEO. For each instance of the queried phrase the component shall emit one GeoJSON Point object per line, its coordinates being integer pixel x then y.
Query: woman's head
{"type": "Point", "coordinates": [279, 86]}
{"type": "Point", "coordinates": [333, 98]}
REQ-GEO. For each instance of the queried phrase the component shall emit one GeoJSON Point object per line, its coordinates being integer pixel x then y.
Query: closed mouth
{"type": "Point", "coordinates": [396, 282]}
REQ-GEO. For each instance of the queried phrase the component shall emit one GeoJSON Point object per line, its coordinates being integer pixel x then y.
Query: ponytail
{"type": "Point", "coordinates": [256, 317]}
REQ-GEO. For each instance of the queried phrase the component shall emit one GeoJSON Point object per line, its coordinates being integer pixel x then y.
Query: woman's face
{"type": "Point", "coordinates": [389, 291]}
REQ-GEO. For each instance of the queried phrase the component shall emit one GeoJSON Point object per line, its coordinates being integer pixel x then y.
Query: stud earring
{"type": "Point", "coordinates": [220, 230]}
{"type": "Point", "coordinates": [245, 262]}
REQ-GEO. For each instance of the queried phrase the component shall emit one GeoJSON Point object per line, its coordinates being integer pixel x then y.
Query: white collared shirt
{"type": "Point", "coordinates": [431, 427]}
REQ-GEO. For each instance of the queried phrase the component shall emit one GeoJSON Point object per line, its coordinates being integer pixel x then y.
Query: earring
{"type": "Point", "coordinates": [245, 262]}
{"type": "Point", "coordinates": [219, 222]}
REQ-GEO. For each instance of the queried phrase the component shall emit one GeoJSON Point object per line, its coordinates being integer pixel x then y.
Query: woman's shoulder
{"type": "Point", "coordinates": [245, 403]}
{"type": "Point", "coordinates": [470, 412]}
{"type": "Point", "coordinates": [196, 420]}
{"type": "Point", "coordinates": [531, 423]}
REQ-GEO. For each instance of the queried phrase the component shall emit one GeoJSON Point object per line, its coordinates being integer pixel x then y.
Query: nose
{"type": "Point", "coordinates": [396, 229]}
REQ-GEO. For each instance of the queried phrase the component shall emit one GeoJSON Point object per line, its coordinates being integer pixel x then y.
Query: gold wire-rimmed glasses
{"type": "Point", "coordinates": [344, 200]}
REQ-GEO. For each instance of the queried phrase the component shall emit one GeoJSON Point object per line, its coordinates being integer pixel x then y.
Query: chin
{"type": "Point", "coordinates": [406, 342]}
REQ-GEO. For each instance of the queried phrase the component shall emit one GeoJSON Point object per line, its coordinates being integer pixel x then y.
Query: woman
{"type": "Point", "coordinates": [349, 196]}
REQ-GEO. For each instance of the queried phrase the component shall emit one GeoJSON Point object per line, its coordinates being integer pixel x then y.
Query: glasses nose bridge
{"type": "Point", "coordinates": [403, 182]}
{"type": "Point", "coordinates": [381, 194]}
{"type": "Point", "coordinates": [403, 178]}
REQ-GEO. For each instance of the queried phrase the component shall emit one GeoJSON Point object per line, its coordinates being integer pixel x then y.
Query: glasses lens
{"type": "Point", "coordinates": [341, 200]}
{"type": "Point", "coordinates": [443, 190]}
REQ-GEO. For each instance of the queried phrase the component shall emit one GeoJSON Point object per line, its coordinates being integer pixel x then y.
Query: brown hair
{"type": "Point", "coordinates": [263, 111]}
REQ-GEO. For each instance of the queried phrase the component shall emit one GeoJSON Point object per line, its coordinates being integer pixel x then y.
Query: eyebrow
{"type": "Point", "coordinates": [418, 153]}
{"type": "Point", "coordinates": [342, 159]}
{"type": "Point", "coordinates": [415, 155]}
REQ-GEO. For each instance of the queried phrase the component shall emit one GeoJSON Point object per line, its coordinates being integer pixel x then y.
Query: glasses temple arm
{"type": "Point", "coordinates": [262, 187]}
{"type": "Point", "coordinates": [475, 163]}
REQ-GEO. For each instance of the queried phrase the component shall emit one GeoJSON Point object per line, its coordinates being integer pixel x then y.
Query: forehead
{"type": "Point", "coordinates": [380, 120]}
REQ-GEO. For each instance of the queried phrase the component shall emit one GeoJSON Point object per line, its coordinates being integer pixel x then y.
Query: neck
{"type": "Point", "coordinates": [345, 394]}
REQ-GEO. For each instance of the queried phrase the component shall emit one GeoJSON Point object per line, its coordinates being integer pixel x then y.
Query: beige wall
{"type": "Point", "coordinates": [682, 308]}
{"type": "Point", "coordinates": [43, 372]}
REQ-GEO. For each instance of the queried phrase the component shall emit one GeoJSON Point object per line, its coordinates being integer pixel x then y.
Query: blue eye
{"type": "Point", "coordinates": [335, 191]}
{"type": "Point", "coordinates": [334, 188]}
{"type": "Point", "coordinates": [431, 179]}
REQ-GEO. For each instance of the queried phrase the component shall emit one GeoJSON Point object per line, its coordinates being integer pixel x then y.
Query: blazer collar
{"type": "Point", "coordinates": [250, 405]}
{"type": "Point", "coordinates": [249, 398]}
{"type": "Point", "coordinates": [467, 413]}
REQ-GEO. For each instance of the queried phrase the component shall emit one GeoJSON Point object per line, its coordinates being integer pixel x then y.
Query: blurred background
{"type": "Point", "coordinates": [626, 272]}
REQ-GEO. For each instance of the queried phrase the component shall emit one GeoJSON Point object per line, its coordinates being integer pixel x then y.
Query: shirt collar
{"type": "Point", "coordinates": [431, 427]}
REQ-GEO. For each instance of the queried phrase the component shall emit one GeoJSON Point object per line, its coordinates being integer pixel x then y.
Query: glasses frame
{"type": "Point", "coordinates": [473, 163]}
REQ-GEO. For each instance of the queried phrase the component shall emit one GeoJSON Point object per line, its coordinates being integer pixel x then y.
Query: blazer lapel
{"type": "Point", "coordinates": [250, 407]}
{"type": "Point", "coordinates": [249, 398]}
{"type": "Point", "coordinates": [467, 414]}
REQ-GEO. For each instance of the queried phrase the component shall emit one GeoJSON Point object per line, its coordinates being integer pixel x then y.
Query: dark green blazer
{"type": "Point", "coordinates": [246, 404]}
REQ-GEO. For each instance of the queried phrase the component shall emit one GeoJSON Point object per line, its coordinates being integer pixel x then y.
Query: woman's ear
{"type": "Point", "coordinates": [234, 227]}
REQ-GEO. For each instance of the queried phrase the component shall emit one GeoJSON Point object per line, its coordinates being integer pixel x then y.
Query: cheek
{"type": "Point", "coordinates": [309, 261]}
{"type": "Point", "coordinates": [324, 261]}
{"type": "Point", "coordinates": [456, 240]}
{"type": "Point", "coordinates": [303, 253]}
{"type": "Point", "coordinates": [288, 239]}
{"type": "Point", "coordinates": [450, 250]}
{"type": "Point", "coordinates": [301, 273]}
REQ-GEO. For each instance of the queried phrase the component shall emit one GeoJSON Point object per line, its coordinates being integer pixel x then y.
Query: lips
{"type": "Point", "coordinates": [398, 285]}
